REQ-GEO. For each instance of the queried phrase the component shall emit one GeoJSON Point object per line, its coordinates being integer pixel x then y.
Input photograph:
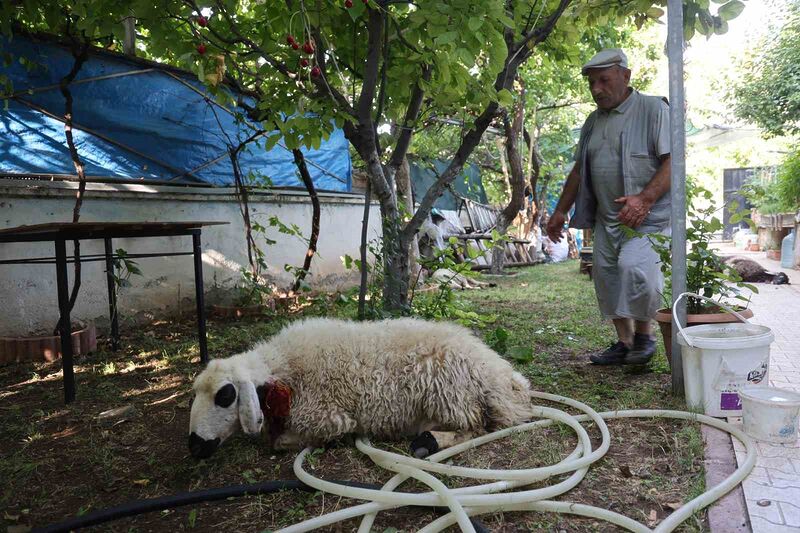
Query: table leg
{"type": "Point", "coordinates": [65, 327]}
{"type": "Point", "coordinates": [198, 286]}
{"type": "Point", "coordinates": [112, 295]}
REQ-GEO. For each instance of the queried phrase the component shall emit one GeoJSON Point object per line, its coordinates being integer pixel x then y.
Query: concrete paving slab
{"type": "Point", "coordinates": [772, 491]}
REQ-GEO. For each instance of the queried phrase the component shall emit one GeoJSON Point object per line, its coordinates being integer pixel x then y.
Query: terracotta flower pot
{"type": "Point", "coordinates": [46, 348]}
{"type": "Point", "coordinates": [775, 255]}
{"type": "Point", "coordinates": [238, 311]}
{"type": "Point", "coordinates": [664, 318]}
{"type": "Point", "coordinates": [285, 302]}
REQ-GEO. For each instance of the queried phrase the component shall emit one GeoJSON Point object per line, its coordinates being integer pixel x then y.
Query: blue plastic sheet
{"type": "Point", "coordinates": [468, 184]}
{"type": "Point", "coordinates": [142, 123]}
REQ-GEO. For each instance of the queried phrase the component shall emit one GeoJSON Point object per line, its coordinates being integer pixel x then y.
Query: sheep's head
{"type": "Point", "coordinates": [224, 400]}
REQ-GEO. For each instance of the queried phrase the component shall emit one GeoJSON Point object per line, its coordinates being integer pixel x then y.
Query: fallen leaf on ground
{"type": "Point", "coordinates": [625, 470]}
{"type": "Point", "coordinates": [142, 482]}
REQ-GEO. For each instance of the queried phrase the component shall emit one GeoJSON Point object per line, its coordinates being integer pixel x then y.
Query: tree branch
{"type": "Point", "coordinates": [407, 128]}
{"type": "Point", "coordinates": [371, 68]}
{"type": "Point", "coordinates": [542, 32]}
{"type": "Point", "coordinates": [300, 161]}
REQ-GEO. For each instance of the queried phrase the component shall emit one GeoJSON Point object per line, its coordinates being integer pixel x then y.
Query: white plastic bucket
{"type": "Point", "coordinates": [721, 359]}
{"type": "Point", "coordinates": [770, 414]}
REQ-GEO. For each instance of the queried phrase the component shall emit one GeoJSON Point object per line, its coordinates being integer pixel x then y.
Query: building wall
{"type": "Point", "coordinates": [28, 300]}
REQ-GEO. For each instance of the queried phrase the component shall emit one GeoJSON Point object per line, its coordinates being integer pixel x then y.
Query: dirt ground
{"type": "Point", "coordinates": [57, 461]}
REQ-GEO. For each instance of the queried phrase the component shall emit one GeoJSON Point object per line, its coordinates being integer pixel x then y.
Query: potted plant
{"type": "Point", "coordinates": [706, 273]}
{"type": "Point", "coordinates": [252, 298]}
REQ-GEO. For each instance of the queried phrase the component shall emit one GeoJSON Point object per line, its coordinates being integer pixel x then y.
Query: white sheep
{"type": "Point", "coordinates": [389, 379]}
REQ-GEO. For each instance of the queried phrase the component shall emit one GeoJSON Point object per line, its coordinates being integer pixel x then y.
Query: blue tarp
{"type": "Point", "coordinates": [468, 184]}
{"type": "Point", "coordinates": [141, 124]}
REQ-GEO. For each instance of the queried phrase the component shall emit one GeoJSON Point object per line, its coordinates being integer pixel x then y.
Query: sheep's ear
{"type": "Point", "coordinates": [250, 415]}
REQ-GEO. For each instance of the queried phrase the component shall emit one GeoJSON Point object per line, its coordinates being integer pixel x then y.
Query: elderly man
{"type": "Point", "coordinates": [621, 180]}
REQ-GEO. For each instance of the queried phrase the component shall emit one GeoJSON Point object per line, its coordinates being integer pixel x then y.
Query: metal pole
{"type": "Point", "coordinates": [198, 285]}
{"type": "Point", "coordinates": [112, 295]}
{"type": "Point", "coordinates": [64, 326]}
{"type": "Point", "coordinates": [678, 178]}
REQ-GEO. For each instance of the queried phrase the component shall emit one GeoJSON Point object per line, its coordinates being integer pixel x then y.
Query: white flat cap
{"type": "Point", "coordinates": [606, 58]}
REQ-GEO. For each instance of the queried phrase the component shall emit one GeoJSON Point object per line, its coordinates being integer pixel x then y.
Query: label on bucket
{"type": "Point", "coordinates": [730, 401]}
{"type": "Point", "coordinates": [757, 376]}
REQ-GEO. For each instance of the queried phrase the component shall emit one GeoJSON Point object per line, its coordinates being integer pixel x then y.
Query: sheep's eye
{"type": "Point", "coordinates": [225, 396]}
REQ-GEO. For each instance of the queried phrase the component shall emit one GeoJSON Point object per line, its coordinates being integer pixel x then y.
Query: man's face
{"type": "Point", "coordinates": [609, 86]}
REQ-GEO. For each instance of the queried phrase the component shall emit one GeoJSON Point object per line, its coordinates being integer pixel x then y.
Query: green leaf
{"type": "Point", "coordinates": [731, 10]}
{"type": "Point", "coordinates": [446, 37]}
{"type": "Point", "coordinates": [521, 354]}
{"type": "Point", "coordinates": [720, 26]}
{"type": "Point", "coordinates": [655, 12]}
{"type": "Point", "coordinates": [192, 518]}
{"type": "Point", "coordinates": [688, 31]}
{"type": "Point", "coordinates": [505, 98]}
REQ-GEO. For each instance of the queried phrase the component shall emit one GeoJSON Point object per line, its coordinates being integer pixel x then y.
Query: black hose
{"type": "Point", "coordinates": [138, 507]}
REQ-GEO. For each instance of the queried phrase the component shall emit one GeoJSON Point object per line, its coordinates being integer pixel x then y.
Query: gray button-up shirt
{"type": "Point", "coordinates": [618, 153]}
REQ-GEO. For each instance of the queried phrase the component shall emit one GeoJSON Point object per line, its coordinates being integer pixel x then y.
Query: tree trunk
{"type": "Point", "coordinates": [363, 271]}
{"type": "Point", "coordinates": [300, 161]}
{"type": "Point", "coordinates": [534, 172]}
{"type": "Point", "coordinates": [501, 149]}
{"type": "Point", "coordinates": [397, 236]}
{"type": "Point", "coordinates": [517, 181]}
{"type": "Point", "coordinates": [405, 198]}
{"type": "Point", "coordinates": [396, 271]}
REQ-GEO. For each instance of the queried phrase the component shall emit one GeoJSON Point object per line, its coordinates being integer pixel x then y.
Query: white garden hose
{"type": "Point", "coordinates": [488, 498]}
{"type": "Point", "coordinates": [681, 331]}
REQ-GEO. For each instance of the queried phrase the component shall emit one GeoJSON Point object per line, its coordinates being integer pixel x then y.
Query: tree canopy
{"type": "Point", "coordinates": [768, 93]}
{"type": "Point", "coordinates": [307, 65]}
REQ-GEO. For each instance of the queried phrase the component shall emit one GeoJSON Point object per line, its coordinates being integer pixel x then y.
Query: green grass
{"type": "Point", "coordinates": [548, 312]}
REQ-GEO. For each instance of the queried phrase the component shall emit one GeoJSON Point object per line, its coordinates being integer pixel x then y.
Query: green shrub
{"type": "Point", "coordinates": [787, 183]}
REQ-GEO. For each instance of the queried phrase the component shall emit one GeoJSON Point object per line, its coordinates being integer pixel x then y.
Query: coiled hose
{"type": "Point", "coordinates": [488, 498]}
{"type": "Point", "coordinates": [466, 502]}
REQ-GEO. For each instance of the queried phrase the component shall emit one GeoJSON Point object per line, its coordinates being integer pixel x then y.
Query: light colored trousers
{"type": "Point", "coordinates": [627, 273]}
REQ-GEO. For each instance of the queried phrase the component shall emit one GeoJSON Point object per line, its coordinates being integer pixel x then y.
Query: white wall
{"type": "Point", "coordinates": [28, 300]}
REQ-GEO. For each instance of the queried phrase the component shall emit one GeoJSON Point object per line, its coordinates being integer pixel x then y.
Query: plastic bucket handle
{"type": "Point", "coordinates": [681, 332]}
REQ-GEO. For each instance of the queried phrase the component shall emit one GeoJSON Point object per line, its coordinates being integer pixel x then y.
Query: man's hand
{"type": "Point", "coordinates": [634, 211]}
{"type": "Point", "coordinates": [555, 226]}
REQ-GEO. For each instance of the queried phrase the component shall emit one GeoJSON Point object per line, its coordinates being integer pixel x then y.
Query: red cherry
{"type": "Point", "coordinates": [308, 47]}
{"type": "Point", "coordinates": [290, 39]}
{"type": "Point", "coordinates": [316, 72]}
{"type": "Point", "coordinates": [304, 62]}
{"type": "Point", "coordinates": [365, 1]}
{"type": "Point", "coordinates": [202, 21]}
{"type": "Point", "coordinates": [295, 45]}
{"type": "Point", "coordinates": [201, 49]}
{"type": "Point", "coordinates": [348, 3]}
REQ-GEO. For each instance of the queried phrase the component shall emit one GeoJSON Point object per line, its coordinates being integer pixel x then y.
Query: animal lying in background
{"type": "Point", "coordinates": [454, 280]}
{"type": "Point", "coordinates": [751, 272]}
{"type": "Point", "coordinates": [321, 379]}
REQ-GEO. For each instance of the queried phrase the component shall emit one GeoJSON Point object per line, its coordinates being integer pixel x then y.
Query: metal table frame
{"type": "Point", "coordinates": [59, 234]}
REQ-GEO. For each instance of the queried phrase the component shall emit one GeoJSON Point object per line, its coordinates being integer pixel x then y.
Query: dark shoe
{"type": "Point", "coordinates": [644, 348]}
{"type": "Point", "coordinates": [424, 445]}
{"type": "Point", "coordinates": [614, 355]}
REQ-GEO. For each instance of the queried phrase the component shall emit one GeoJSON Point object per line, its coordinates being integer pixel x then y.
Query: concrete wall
{"type": "Point", "coordinates": [28, 300]}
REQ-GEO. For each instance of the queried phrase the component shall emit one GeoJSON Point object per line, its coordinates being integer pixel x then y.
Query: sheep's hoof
{"type": "Point", "coordinates": [424, 445]}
